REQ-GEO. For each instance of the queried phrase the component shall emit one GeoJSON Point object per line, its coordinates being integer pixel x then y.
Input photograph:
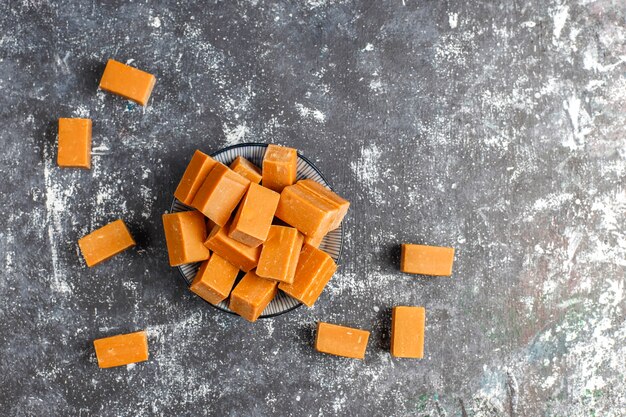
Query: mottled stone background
{"type": "Point", "coordinates": [496, 127]}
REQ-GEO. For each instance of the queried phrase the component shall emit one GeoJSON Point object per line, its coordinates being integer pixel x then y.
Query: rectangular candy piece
{"type": "Point", "coordinates": [407, 332]}
{"type": "Point", "coordinates": [74, 143]}
{"type": "Point", "coordinates": [305, 211]}
{"type": "Point", "coordinates": [252, 295]}
{"type": "Point", "coordinates": [242, 256]}
{"type": "Point", "coordinates": [128, 82]}
{"type": "Point", "coordinates": [185, 233]}
{"type": "Point", "coordinates": [426, 260]}
{"type": "Point", "coordinates": [279, 167]}
{"type": "Point", "coordinates": [121, 349]}
{"type": "Point", "coordinates": [105, 242]}
{"type": "Point", "coordinates": [314, 241]}
{"type": "Point", "coordinates": [254, 216]}
{"type": "Point", "coordinates": [280, 253]}
{"type": "Point", "coordinates": [214, 279]}
{"type": "Point", "coordinates": [314, 270]}
{"type": "Point", "coordinates": [328, 196]}
{"type": "Point", "coordinates": [246, 169]}
{"type": "Point", "coordinates": [195, 174]}
{"type": "Point", "coordinates": [220, 193]}
{"type": "Point", "coordinates": [341, 341]}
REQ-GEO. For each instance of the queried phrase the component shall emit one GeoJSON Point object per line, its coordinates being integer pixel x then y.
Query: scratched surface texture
{"type": "Point", "coordinates": [496, 127]}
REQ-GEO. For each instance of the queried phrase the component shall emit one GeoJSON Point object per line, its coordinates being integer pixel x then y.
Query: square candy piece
{"type": "Point", "coordinates": [214, 279]}
{"type": "Point", "coordinates": [329, 196]}
{"type": "Point", "coordinates": [121, 349]}
{"type": "Point", "coordinates": [220, 193]}
{"type": "Point", "coordinates": [314, 241]}
{"type": "Point", "coordinates": [280, 253]}
{"type": "Point", "coordinates": [185, 233]}
{"type": "Point", "coordinates": [242, 256]}
{"type": "Point", "coordinates": [128, 82]}
{"type": "Point", "coordinates": [315, 268]}
{"type": "Point", "coordinates": [105, 242]}
{"type": "Point", "coordinates": [341, 341]}
{"type": "Point", "coordinates": [305, 211]}
{"type": "Point", "coordinates": [407, 331]}
{"type": "Point", "coordinates": [426, 260]}
{"type": "Point", "coordinates": [195, 174]}
{"type": "Point", "coordinates": [252, 295]}
{"type": "Point", "coordinates": [279, 167]}
{"type": "Point", "coordinates": [254, 216]}
{"type": "Point", "coordinates": [246, 169]}
{"type": "Point", "coordinates": [74, 143]}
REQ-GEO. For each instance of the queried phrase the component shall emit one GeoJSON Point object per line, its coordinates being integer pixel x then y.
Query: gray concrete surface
{"type": "Point", "coordinates": [496, 127]}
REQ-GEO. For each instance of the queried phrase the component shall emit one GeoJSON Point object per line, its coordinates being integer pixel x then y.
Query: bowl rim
{"type": "Point", "coordinates": [317, 170]}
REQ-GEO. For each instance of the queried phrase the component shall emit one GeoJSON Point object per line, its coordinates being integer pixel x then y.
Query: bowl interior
{"type": "Point", "coordinates": [331, 244]}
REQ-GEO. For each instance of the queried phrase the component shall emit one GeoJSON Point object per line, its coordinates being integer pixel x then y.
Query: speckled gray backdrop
{"type": "Point", "coordinates": [496, 127]}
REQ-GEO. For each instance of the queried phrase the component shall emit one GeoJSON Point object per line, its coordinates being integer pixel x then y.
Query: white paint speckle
{"type": "Point", "coordinates": [307, 112]}
{"type": "Point", "coordinates": [236, 134]}
{"type": "Point", "coordinates": [581, 123]}
{"type": "Point", "coordinates": [560, 17]}
{"type": "Point", "coordinates": [154, 21]}
{"type": "Point", "coordinates": [453, 20]}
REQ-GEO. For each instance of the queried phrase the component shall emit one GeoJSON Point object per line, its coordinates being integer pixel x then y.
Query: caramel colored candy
{"type": "Point", "coordinates": [341, 341]}
{"type": "Point", "coordinates": [195, 174]}
{"type": "Point", "coordinates": [210, 224]}
{"type": "Point", "coordinates": [314, 270]}
{"type": "Point", "coordinates": [246, 169]}
{"type": "Point", "coordinates": [305, 211]}
{"type": "Point", "coordinates": [74, 143]}
{"type": "Point", "coordinates": [252, 295]}
{"type": "Point", "coordinates": [426, 260]}
{"type": "Point", "coordinates": [121, 349]}
{"type": "Point", "coordinates": [214, 279]}
{"type": "Point", "coordinates": [220, 193]}
{"type": "Point", "coordinates": [254, 216]}
{"type": "Point", "coordinates": [407, 332]}
{"type": "Point", "coordinates": [314, 241]}
{"type": "Point", "coordinates": [330, 197]}
{"type": "Point", "coordinates": [242, 256]}
{"type": "Point", "coordinates": [185, 233]}
{"type": "Point", "coordinates": [105, 242]}
{"type": "Point", "coordinates": [128, 82]}
{"type": "Point", "coordinates": [279, 167]}
{"type": "Point", "coordinates": [280, 254]}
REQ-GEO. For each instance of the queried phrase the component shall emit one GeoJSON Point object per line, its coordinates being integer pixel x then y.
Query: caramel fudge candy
{"type": "Point", "coordinates": [280, 253]}
{"type": "Point", "coordinates": [121, 349]}
{"type": "Point", "coordinates": [242, 256]}
{"type": "Point", "coordinates": [195, 174]}
{"type": "Point", "coordinates": [279, 167]}
{"type": "Point", "coordinates": [214, 279]}
{"type": "Point", "coordinates": [305, 211]}
{"type": "Point", "coordinates": [426, 260]}
{"type": "Point", "coordinates": [314, 270]}
{"type": "Point", "coordinates": [407, 331]}
{"type": "Point", "coordinates": [185, 233]}
{"type": "Point", "coordinates": [246, 169]}
{"type": "Point", "coordinates": [128, 82]}
{"type": "Point", "coordinates": [74, 143]}
{"type": "Point", "coordinates": [330, 197]}
{"type": "Point", "coordinates": [341, 341]}
{"type": "Point", "coordinates": [252, 295]}
{"type": "Point", "coordinates": [254, 216]}
{"type": "Point", "coordinates": [314, 241]}
{"type": "Point", "coordinates": [220, 193]}
{"type": "Point", "coordinates": [105, 242]}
